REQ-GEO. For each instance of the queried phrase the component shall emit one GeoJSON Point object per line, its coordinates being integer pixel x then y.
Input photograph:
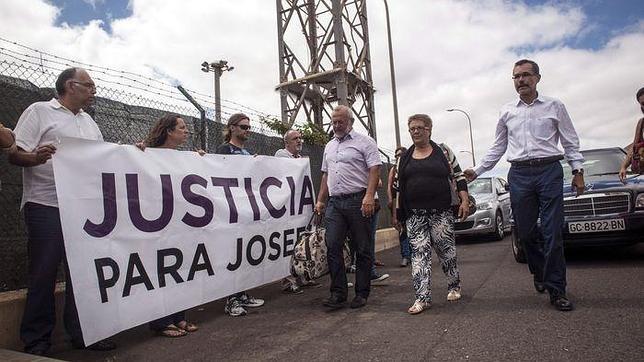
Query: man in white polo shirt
{"type": "Point", "coordinates": [39, 129]}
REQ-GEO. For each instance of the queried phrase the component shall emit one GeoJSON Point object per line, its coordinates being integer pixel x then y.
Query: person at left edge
{"type": "Point", "coordinates": [7, 139]}
{"type": "Point", "coordinates": [236, 133]}
{"type": "Point", "coordinates": [350, 173]}
{"type": "Point", "coordinates": [40, 126]}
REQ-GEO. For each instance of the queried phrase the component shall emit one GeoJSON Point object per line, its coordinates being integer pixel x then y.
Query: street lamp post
{"type": "Point", "coordinates": [469, 122]}
{"type": "Point", "coordinates": [218, 68]}
{"type": "Point", "coordinates": [393, 78]}
{"type": "Point", "coordinates": [463, 151]}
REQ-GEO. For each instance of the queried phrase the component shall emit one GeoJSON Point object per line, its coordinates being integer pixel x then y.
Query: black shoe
{"type": "Point", "coordinates": [539, 287]}
{"type": "Point", "coordinates": [334, 302]}
{"type": "Point", "coordinates": [561, 303]}
{"type": "Point", "coordinates": [358, 302]}
{"type": "Point", "coordinates": [375, 277]}
{"type": "Point", "coordinates": [104, 345]}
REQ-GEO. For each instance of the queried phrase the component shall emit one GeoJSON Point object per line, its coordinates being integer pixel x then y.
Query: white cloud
{"type": "Point", "coordinates": [447, 54]}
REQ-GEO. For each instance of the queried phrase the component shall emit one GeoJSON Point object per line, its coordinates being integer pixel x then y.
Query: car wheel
{"type": "Point", "coordinates": [498, 226]}
{"type": "Point", "coordinates": [517, 249]}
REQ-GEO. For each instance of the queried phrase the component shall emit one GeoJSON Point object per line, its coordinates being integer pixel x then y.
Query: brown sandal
{"type": "Point", "coordinates": [187, 326]}
{"type": "Point", "coordinates": [172, 331]}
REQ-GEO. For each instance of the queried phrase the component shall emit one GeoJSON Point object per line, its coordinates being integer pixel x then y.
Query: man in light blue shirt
{"type": "Point", "coordinates": [530, 130]}
{"type": "Point", "coordinates": [350, 174]}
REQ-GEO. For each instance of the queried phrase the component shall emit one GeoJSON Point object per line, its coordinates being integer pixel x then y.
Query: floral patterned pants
{"type": "Point", "coordinates": [427, 229]}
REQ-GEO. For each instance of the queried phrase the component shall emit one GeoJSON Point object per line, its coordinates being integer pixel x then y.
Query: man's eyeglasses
{"type": "Point", "coordinates": [245, 127]}
{"type": "Point", "coordinates": [522, 75]}
{"type": "Point", "coordinates": [85, 84]}
{"type": "Point", "coordinates": [419, 129]}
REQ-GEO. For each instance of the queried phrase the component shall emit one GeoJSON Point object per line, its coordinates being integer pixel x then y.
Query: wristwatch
{"type": "Point", "coordinates": [580, 171]}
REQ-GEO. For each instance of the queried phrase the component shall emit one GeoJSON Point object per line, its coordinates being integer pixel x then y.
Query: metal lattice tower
{"type": "Point", "coordinates": [324, 60]}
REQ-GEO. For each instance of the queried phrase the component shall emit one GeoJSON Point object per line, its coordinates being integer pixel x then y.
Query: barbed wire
{"type": "Point", "coordinates": [120, 77]}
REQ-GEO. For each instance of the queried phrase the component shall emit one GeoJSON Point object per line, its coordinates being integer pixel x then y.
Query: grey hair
{"type": "Point", "coordinates": [287, 132]}
{"type": "Point", "coordinates": [345, 109]}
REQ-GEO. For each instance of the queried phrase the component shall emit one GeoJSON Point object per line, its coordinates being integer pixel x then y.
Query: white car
{"type": "Point", "coordinates": [493, 209]}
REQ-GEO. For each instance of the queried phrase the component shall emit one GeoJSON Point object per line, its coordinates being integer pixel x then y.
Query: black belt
{"type": "Point", "coordinates": [349, 196]}
{"type": "Point", "coordinates": [536, 161]}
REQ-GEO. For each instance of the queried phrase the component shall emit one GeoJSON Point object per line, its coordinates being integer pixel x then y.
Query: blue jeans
{"type": "Point", "coordinates": [536, 191]}
{"type": "Point", "coordinates": [343, 215]}
{"type": "Point", "coordinates": [46, 251]}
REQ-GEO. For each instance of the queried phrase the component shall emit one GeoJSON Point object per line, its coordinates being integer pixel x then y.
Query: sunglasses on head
{"type": "Point", "coordinates": [245, 127]}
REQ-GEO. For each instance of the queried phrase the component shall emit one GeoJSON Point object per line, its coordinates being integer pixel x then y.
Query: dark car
{"type": "Point", "coordinates": [608, 213]}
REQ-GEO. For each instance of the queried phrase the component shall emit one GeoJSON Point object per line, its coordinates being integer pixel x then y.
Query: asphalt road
{"type": "Point", "coordinates": [500, 317]}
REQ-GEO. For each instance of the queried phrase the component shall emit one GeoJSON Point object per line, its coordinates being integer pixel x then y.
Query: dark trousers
{"type": "Point", "coordinates": [536, 191]}
{"type": "Point", "coordinates": [342, 215]}
{"type": "Point", "coordinates": [46, 251]}
{"type": "Point", "coordinates": [374, 229]}
{"type": "Point", "coordinates": [405, 248]}
{"type": "Point", "coordinates": [161, 323]}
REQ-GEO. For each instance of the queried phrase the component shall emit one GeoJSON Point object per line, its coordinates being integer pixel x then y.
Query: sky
{"type": "Point", "coordinates": [448, 54]}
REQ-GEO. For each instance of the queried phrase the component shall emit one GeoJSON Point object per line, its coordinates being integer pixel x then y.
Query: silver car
{"type": "Point", "coordinates": [493, 210]}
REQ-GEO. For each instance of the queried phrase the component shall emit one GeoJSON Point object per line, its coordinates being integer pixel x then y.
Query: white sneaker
{"type": "Point", "coordinates": [378, 278]}
{"type": "Point", "coordinates": [454, 295]}
{"type": "Point", "coordinates": [247, 301]}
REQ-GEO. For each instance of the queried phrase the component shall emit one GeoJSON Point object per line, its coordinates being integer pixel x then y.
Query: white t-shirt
{"type": "Point", "coordinates": [46, 123]}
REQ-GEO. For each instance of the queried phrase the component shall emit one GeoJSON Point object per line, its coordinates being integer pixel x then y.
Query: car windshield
{"type": "Point", "coordinates": [598, 162]}
{"type": "Point", "coordinates": [480, 186]}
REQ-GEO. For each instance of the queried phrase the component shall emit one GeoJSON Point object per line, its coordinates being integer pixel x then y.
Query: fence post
{"type": "Point", "coordinates": [204, 127]}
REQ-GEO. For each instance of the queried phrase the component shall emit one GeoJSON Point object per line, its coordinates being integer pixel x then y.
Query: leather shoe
{"type": "Point", "coordinates": [358, 302]}
{"type": "Point", "coordinates": [539, 287]}
{"type": "Point", "coordinates": [334, 302]}
{"type": "Point", "coordinates": [561, 303]}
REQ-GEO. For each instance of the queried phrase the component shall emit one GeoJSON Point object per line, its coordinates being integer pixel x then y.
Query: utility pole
{"type": "Point", "coordinates": [393, 78]}
{"type": "Point", "coordinates": [218, 68]}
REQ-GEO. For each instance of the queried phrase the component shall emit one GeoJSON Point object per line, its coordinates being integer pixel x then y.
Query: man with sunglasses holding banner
{"type": "Point", "coordinates": [236, 133]}
{"type": "Point", "coordinates": [530, 129]}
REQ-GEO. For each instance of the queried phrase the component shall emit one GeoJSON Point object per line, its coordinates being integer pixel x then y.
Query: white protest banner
{"type": "Point", "coordinates": [150, 233]}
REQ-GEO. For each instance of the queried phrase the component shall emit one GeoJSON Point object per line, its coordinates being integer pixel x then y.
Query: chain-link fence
{"type": "Point", "coordinates": [125, 109]}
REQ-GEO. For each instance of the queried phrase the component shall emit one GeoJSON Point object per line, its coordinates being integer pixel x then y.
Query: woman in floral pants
{"type": "Point", "coordinates": [426, 172]}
